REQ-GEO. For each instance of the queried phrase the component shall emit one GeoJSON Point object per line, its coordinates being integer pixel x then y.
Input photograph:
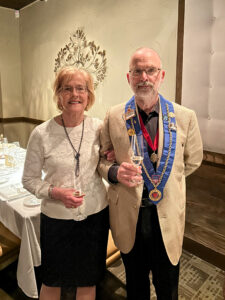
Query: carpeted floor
{"type": "Point", "coordinates": [199, 280]}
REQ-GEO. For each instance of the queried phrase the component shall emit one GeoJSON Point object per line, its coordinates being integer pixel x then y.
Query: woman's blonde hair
{"type": "Point", "coordinates": [64, 75]}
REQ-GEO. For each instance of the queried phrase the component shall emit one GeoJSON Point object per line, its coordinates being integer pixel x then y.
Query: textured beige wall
{"type": "Point", "coordinates": [10, 65]}
{"type": "Point", "coordinates": [118, 26]}
{"type": "Point", "coordinates": [30, 44]}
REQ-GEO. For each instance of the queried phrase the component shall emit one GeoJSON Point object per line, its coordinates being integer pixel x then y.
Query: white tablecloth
{"type": "Point", "coordinates": [24, 222]}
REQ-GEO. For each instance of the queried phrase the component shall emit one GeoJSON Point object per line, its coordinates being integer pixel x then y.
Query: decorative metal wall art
{"type": "Point", "coordinates": [83, 55]}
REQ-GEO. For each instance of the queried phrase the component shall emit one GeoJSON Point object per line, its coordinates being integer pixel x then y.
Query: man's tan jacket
{"type": "Point", "coordinates": [124, 202]}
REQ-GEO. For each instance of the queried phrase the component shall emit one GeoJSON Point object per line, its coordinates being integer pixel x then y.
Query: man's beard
{"type": "Point", "coordinates": [146, 96]}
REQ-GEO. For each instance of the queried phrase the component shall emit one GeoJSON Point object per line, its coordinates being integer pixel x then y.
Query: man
{"type": "Point", "coordinates": [147, 217]}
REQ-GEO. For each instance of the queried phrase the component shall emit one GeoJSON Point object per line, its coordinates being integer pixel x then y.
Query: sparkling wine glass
{"type": "Point", "coordinates": [78, 212]}
{"type": "Point", "coordinates": [137, 147]}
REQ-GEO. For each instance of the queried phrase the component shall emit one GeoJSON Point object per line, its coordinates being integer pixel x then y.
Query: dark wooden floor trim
{"type": "Point", "coordinates": [20, 120]}
{"type": "Point", "coordinates": [180, 41]}
{"type": "Point", "coordinates": [204, 253]}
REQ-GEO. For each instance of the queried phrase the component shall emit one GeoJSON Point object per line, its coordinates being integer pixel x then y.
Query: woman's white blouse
{"type": "Point", "coordinates": [50, 160]}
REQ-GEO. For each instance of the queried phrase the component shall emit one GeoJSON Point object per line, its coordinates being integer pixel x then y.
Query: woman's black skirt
{"type": "Point", "coordinates": [74, 252]}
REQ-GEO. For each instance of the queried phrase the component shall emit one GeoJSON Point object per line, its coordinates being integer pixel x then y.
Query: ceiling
{"type": "Point", "coordinates": [16, 4]}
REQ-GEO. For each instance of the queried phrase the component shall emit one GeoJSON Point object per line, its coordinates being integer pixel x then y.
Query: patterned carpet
{"type": "Point", "coordinates": [199, 280]}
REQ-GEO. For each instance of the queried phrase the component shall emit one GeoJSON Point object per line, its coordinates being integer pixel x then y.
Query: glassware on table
{"type": "Point", "coordinates": [10, 156]}
{"type": "Point", "coordinates": [5, 140]}
{"type": "Point", "coordinates": [17, 144]}
{"type": "Point", "coordinates": [10, 160]}
{"type": "Point", "coordinates": [3, 146]}
{"type": "Point", "coordinates": [1, 151]}
{"type": "Point", "coordinates": [14, 155]}
{"type": "Point", "coordinates": [19, 154]}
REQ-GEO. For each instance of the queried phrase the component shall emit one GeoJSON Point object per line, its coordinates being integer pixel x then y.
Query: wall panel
{"type": "Point", "coordinates": [204, 69]}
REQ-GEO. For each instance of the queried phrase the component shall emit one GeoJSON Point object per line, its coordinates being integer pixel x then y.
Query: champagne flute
{"type": "Point", "coordinates": [137, 147]}
{"type": "Point", "coordinates": [78, 212]}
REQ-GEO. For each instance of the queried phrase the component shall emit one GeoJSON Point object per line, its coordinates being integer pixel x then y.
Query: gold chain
{"type": "Point", "coordinates": [168, 155]}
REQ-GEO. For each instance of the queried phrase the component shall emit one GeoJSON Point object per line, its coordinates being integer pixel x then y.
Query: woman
{"type": "Point", "coordinates": [74, 211]}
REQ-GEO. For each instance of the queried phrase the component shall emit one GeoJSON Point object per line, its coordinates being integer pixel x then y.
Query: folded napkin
{"type": "Point", "coordinates": [12, 192]}
{"type": "Point", "coordinates": [31, 201]}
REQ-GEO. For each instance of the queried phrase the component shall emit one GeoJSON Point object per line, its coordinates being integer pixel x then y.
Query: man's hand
{"type": "Point", "coordinates": [129, 174]}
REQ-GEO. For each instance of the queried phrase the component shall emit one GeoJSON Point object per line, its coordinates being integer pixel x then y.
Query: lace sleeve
{"type": "Point", "coordinates": [32, 174]}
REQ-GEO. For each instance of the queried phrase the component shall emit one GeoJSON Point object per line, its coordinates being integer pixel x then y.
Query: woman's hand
{"type": "Point", "coordinates": [110, 155]}
{"type": "Point", "coordinates": [68, 196]}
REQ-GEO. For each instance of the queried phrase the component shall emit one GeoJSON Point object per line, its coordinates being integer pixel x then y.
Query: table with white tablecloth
{"type": "Point", "coordinates": [22, 217]}
{"type": "Point", "coordinates": [24, 222]}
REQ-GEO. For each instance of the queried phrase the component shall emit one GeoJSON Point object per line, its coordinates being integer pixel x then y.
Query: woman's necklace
{"type": "Point", "coordinates": [77, 152]}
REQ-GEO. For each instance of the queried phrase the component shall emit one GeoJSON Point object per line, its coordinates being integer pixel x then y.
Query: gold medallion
{"type": "Point", "coordinates": [155, 195]}
{"type": "Point", "coordinates": [154, 157]}
{"type": "Point", "coordinates": [131, 132]}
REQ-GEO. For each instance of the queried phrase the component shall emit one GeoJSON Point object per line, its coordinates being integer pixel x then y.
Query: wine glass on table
{"type": "Point", "coordinates": [137, 146]}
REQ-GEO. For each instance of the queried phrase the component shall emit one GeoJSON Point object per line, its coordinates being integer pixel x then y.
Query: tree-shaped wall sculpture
{"type": "Point", "coordinates": [83, 55]}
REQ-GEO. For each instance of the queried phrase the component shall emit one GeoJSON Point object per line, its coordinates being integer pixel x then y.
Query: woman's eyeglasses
{"type": "Point", "coordinates": [68, 90]}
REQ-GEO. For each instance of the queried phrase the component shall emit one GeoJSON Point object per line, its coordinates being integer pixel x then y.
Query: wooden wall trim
{"type": "Point", "coordinates": [180, 41]}
{"type": "Point", "coordinates": [20, 120]}
{"type": "Point", "coordinates": [213, 158]}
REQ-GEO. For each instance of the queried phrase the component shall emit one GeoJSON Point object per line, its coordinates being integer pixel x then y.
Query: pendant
{"type": "Point", "coordinates": [154, 157]}
{"type": "Point", "coordinates": [130, 113]}
{"type": "Point", "coordinates": [155, 195]}
{"type": "Point", "coordinates": [77, 156]}
{"type": "Point", "coordinates": [171, 114]}
{"type": "Point", "coordinates": [172, 126]}
{"type": "Point", "coordinates": [165, 118]}
{"type": "Point", "coordinates": [131, 132]}
{"type": "Point", "coordinates": [155, 179]}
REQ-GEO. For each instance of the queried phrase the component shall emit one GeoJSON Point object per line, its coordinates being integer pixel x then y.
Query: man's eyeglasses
{"type": "Point", "coordinates": [150, 71]}
{"type": "Point", "coordinates": [68, 90]}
